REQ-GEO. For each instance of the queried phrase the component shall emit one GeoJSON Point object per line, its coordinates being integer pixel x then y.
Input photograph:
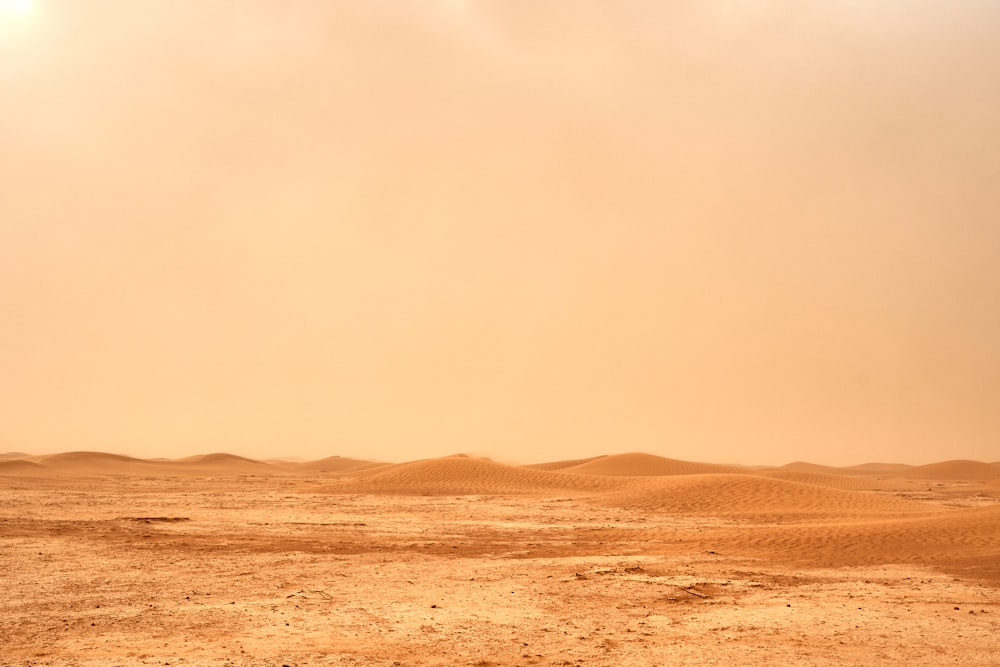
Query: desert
{"type": "Point", "coordinates": [495, 332]}
{"type": "Point", "coordinates": [625, 559]}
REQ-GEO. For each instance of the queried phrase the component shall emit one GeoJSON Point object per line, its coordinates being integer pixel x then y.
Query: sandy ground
{"type": "Point", "coordinates": [466, 562]}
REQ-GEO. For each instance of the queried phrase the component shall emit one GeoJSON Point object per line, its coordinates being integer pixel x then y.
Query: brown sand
{"type": "Point", "coordinates": [644, 465]}
{"type": "Point", "coordinates": [561, 465]}
{"type": "Point", "coordinates": [955, 470]}
{"type": "Point", "coordinates": [862, 469]}
{"type": "Point", "coordinates": [341, 464]}
{"type": "Point", "coordinates": [629, 559]}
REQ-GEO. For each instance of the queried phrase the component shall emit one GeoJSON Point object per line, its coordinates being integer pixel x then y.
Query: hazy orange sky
{"type": "Point", "coordinates": [726, 231]}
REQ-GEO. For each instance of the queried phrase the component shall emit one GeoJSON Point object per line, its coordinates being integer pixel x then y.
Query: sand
{"type": "Point", "coordinates": [628, 559]}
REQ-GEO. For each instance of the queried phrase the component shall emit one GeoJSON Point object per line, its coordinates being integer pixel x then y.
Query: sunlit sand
{"type": "Point", "coordinates": [626, 559]}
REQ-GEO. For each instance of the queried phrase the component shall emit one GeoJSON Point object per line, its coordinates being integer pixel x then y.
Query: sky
{"type": "Point", "coordinates": [731, 231]}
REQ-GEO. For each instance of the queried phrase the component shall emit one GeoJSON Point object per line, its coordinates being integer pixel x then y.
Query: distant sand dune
{"type": "Point", "coordinates": [96, 463]}
{"type": "Point", "coordinates": [877, 468]}
{"type": "Point", "coordinates": [6, 456]}
{"type": "Point", "coordinates": [218, 458]}
{"type": "Point", "coordinates": [462, 475]}
{"type": "Point", "coordinates": [21, 467]}
{"type": "Point", "coordinates": [716, 494]}
{"type": "Point", "coordinates": [806, 467]}
{"type": "Point", "coordinates": [100, 463]}
{"type": "Point", "coordinates": [229, 463]}
{"type": "Point", "coordinates": [755, 495]}
{"type": "Point", "coordinates": [835, 481]}
{"type": "Point", "coordinates": [955, 470]}
{"type": "Point", "coordinates": [562, 465]}
{"type": "Point", "coordinates": [645, 465]}
{"type": "Point", "coordinates": [796, 514]}
{"type": "Point", "coordinates": [341, 464]}
{"type": "Point", "coordinates": [645, 481]}
{"type": "Point", "coordinates": [882, 469]}
{"type": "Point", "coordinates": [967, 538]}
{"type": "Point", "coordinates": [84, 458]}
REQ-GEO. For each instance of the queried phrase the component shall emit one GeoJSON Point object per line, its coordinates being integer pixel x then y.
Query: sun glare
{"type": "Point", "coordinates": [15, 19]}
{"type": "Point", "coordinates": [18, 6]}
{"type": "Point", "coordinates": [15, 13]}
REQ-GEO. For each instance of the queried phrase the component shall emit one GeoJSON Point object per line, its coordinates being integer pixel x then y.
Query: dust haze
{"type": "Point", "coordinates": [730, 232]}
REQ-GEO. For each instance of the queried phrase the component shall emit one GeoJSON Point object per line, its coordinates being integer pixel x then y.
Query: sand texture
{"type": "Point", "coordinates": [626, 559]}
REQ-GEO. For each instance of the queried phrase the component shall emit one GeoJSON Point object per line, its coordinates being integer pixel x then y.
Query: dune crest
{"type": "Point", "coordinates": [562, 465]}
{"type": "Point", "coordinates": [645, 465]}
{"type": "Point", "coordinates": [21, 467]}
{"type": "Point", "coordinates": [469, 476]}
{"type": "Point", "coordinates": [957, 469]}
{"type": "Point", "coordinates": [88, 463]}
{"type": "Point", "coordinates": [806, 467]}
{"type": "Point", "coordinates": [878, 468]}
{"type": "Point", "coordinates": [860, 482]}
{"type": "Point", "coordinates": [339, 464]}
{"type": "Point", "coordinates": [756, 495]}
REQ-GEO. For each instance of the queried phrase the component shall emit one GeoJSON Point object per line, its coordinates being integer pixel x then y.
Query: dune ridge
{"type": "Point", "coordinates": [881, 469]}
{"type": "Point", "coordinates": [340, 464]}
{"type": "Point", "coordinates": [956, 469]}
{"type": "Point", "coordinates": [469, 476]}
{"type": "Point", "coordinates": [877, 468]}
{"type": "Point", "coordinates": [89, 463]}
{"type": "Point", "coordinates": [833, 481]}
{"type": "Point", "coordinates": [797, 512]}
{"type": "Point", "coordinates": [638, 464]}
{"type": "Point", "coordinates": [21, 467]}
{"type": "Point", "coordinates": [561, 465]}
{"type": "Point", "coordinates": [746, 495]}
{"type": "Point", "coordinates": [967, 540]}
{"type": "Point", "coordinates": [806, 467]}
{"type": "Point", "coordinates": [639, 474]}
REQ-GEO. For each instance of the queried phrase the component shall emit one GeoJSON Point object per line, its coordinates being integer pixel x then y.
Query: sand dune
{"type": "Point", "coordinates": [804, 466]}
{"type": "Point", "coordinates": [84, 458]}
{"type": "Point", "coordinates": [218, 458]}
{"type": "Point", "coordinates": [465, 474]}
{"type": "Point", "coordinates": [456, 475]}
{"type": "Point", "coordinates": [227, 463]}
{"type": "Point", "coordinates": [88, 463]}
{"type": "Point", "coordinates": [757, 495]}
{"type": "Point", "coordinates": [795, 513]}
{"type": "Point", "coordinates": [881, 469]}
{"type": "Point", "coordinates": [714, 494]}
{"type": "Point", "coordinates": [877, 468]}
{"type": "Point", "coordinates": [340, 464]}
{"type": "Point", "coordinates": [7, 456]}
{"type": "Point", "coordinates": [248, 554]}
{"type": "Point", "coordinates": [955, 470]}
{"type": "Point", "coordinates": [100, 463]}
{"type": "Point", "coordinates": [833, 481]}
{"type": "Point", "coordinates": [21, 467]}
{"type": "Point", "coordinates": [963, 539]}
{"type": "Point", "coordinates": [562, 465]}
{"type": "Point", "coordinates": [644, 465]}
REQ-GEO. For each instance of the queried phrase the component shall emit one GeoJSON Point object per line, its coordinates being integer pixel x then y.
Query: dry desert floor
{"type": "Point", "coordinates": [620, 560]}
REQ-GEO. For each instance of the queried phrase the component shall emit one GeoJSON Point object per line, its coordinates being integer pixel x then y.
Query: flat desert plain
{"type": "Point", "coordinates": [617, 560]}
